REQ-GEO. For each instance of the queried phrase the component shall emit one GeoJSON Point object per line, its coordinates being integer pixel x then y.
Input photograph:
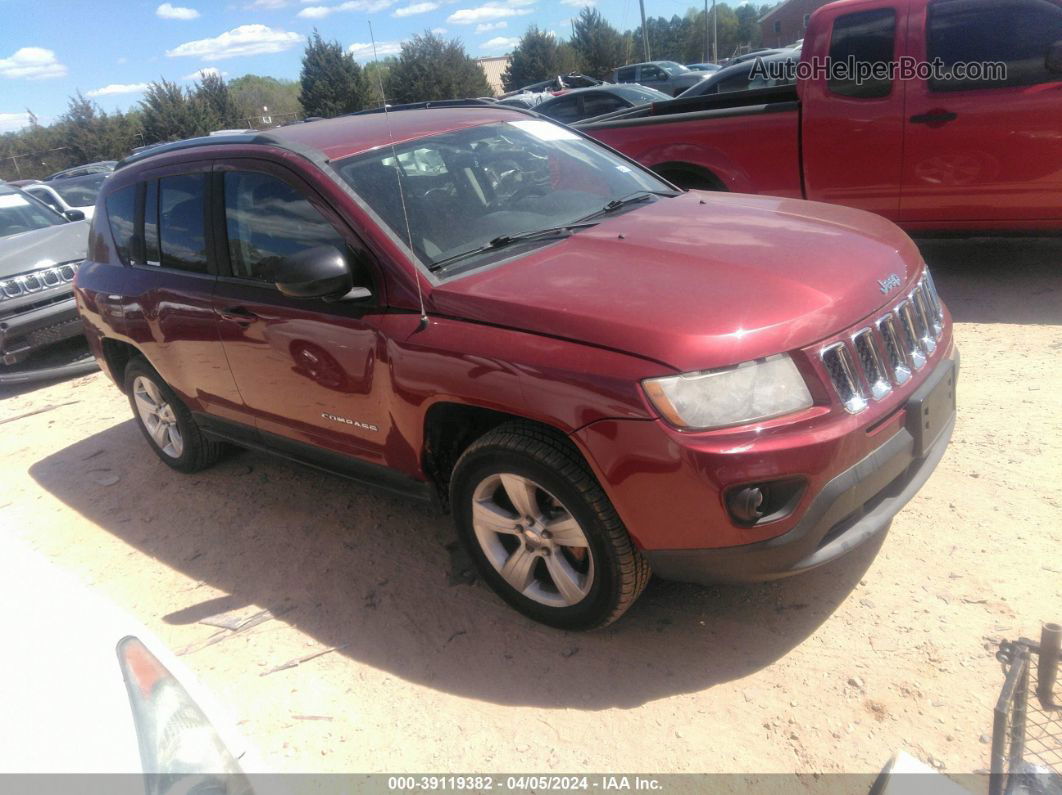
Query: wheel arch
{"type": "Point", "coordinates": [116, 357]}
{"type": "Point", "coordinates": [690, 176]}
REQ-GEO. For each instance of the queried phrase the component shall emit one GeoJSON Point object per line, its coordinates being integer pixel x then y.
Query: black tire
{"type": "Point", "coordinates": [620, 571]}
{"type": "Point", "coordinates": [198, 451]}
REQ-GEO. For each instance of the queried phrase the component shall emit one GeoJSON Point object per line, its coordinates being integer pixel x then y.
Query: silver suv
{"type": "Point", "coordinates": [667, 76]}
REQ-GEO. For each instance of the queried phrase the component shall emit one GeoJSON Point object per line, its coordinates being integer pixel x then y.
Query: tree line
{"type": "Point", "coordinates": [331, 82]}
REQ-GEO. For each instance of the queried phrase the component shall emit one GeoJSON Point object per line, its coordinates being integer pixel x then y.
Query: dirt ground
{"type": "Point", "coordinates": [832, 671]}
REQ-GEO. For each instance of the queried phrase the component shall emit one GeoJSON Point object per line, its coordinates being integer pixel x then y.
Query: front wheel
{"type": "Point", "coordinates": [542, 531]}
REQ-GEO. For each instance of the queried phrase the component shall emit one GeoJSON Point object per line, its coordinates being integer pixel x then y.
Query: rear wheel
{"type": "Point", "coordinates": [165, 422]}
{"type": "Point", "coordinates": [541, 530]}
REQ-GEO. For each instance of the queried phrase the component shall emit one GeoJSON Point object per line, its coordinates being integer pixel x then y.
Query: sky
{"type": "Point", "coordinates": [111, 50]}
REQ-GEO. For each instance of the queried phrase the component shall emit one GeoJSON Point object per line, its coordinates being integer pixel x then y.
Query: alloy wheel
{"type": "Point", "coordinates": [158, 417]}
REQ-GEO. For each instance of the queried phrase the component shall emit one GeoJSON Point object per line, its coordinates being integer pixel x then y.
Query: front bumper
{"type": "Point", "coordinates": [29, 330]}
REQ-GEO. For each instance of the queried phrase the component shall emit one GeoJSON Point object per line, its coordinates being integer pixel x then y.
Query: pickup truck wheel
{"type": "Point", "coordinates": [541, 530]}
{"type": "Point", "coordinates": [165, 422]}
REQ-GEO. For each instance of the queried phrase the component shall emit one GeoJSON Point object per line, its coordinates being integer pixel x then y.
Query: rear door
{"type": "Point", "coordinates": [984, 148]}
{"type": "Point", "coordinates": [853, 128]}
{"type": "Point", "coordinates": [307, 369]}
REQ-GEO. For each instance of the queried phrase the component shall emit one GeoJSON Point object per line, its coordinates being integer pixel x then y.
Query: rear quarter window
{"type": "Point", "coordinates": [121, 217]}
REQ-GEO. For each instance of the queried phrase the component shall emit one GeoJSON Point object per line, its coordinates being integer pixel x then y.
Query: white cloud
{"type": "Point", "coordinates": [500, 43]}
{"type": "Point", "coordinates": [118, 88]}
{"type": "Point", "coordinates": [365, 6]}
{"type": "Point", "coordinates": [483, 27]}
{"type": "Point", "coordinates": [267, 5]}
{"type": "Point", "coordinates": [438, 31]}
{"type": "Point", "coordinates": [578, 3]}
{"type": "Point", "coordinates": [167, 11]}
{"type": "Point", "coordinates": [9, 122]}
{"type": "Point", "coordinates": [490, 11]}
{"type": "Point", "coordinates": [415, 8]}
{"type": "Point", "coordinates": [33, 63]}
{"type": "Point", "coordinates": [199, 74]}
{"type": "Point", "coordinates": [244, 40]}
{"type": "Point", "coordinates": [363, 52]}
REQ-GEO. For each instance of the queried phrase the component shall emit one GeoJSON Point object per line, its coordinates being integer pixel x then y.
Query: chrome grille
{"type": "Point", "coordinates": [41, 279]}
{"type": "Point", "coordinates": [883, 355]}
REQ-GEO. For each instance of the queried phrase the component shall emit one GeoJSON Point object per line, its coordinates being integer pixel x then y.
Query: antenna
{"type": "Point", "coordinates": [398, 177]}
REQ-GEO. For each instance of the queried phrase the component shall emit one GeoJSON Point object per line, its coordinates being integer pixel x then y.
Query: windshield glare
{"type": "Point", "coordinates": [465, 188]}
{"type": "Point", "coordinates": [20, 214]}
{"type": "Point", "coordinates": [79, 191]}
{"type": "Point", "coordinates": [673, 68]}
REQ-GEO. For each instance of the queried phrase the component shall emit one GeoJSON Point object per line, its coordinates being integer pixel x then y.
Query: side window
{"type": "Point", "coordinates": [121, 215]}
{"type": "Point", "coordinates": [565, 109]}
{"type": "Point", "coordinates": [267, 220]}
{"type": "Point", "coordinates": [653, 73]}
{"type": "Point", "coordinates": [864, 38]}
{"type": "Point", "coordinates": [1016, 33]}
{"type": "Point", "coordinates": [625, 75]}
{"type": "Point", "coordinates": [597, 104]}
{"type": "Point", "coordinates": [46, 197]}
{"type": "Point", "coordinates": [151, 223]}
{"type": "Point", "coordinates": [182, 231]}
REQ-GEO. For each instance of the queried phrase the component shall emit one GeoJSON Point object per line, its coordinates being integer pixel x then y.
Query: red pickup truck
{"type": "Point", "coordinates": [955, 144]}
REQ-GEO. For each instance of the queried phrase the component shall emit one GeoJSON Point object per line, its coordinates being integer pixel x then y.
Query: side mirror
{"type": "Point", "coordinates": [74, 215]}
{"type": "Point", "coordinates": [1053, 62]}
{"type": "Point", "coordinates": [320, 272]}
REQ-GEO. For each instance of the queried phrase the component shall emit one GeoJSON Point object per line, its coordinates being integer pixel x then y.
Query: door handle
{"type": "Point", "coordinates": [934, 117]}
{"type": "Point", "coordinates": [239, 314]}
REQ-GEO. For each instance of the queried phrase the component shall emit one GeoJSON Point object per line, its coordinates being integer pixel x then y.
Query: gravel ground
{"type": "Point", "coordinates": [833, 671]}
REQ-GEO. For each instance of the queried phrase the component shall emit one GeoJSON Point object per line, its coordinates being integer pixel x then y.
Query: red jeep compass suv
{"type": "Point", "coordinates": [599, 375]}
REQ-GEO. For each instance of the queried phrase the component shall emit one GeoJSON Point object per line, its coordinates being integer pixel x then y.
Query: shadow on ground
{"type": "Point", "coordinates": [998, 280]}
{"type": "Point", "coordinates": [374, 573]}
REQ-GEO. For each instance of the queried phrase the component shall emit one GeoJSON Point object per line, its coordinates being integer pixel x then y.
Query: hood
{"type": "Point", "coordinates": [40, 248]}
{"type": "Point", "coordinates": [697, 281]}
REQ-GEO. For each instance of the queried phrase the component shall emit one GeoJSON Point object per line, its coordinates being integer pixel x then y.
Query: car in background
{"type": "Point", "coordinates": [586, 103]}
{"type": "Point", "coordinates": [668, 76]}
{"type": "Point", "coordinates": [525, 100]}
{"type": "Point", "coordinates": [41, 335]}
{"type": "Point", "coordinates": [69, 194]}
{"type": "Point", "coordinates": [99, 167]}
{"type": "Point", "coordinates": [557, 83]}
{"type": "Point", "coordinates": [91, 690]}
{"type": "Point", "coordinates": [740, 77]}
{"type": "Point", "coordinates": [704, 67]}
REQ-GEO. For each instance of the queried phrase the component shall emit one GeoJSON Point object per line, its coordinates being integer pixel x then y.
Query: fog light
{"type": "Point", "coordinates": [746, 504]}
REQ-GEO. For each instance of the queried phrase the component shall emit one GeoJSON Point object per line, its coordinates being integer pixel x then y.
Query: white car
{"type": "Point", "coordinates": [87, 689]}
{"type": "Point", "coordinates": [69, 193]}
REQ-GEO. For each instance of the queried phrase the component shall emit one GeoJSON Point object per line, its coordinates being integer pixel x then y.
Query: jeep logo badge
{"type": "Point", "coordinates": [889, 283]}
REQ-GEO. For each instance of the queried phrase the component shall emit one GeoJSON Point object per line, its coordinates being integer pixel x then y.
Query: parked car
{"type": "Point", "coordinates": [557, 83]}
{"type": "Point", "coordinates": [69, 193]}
{"type": "Point", "coordinates": [584, 103]}
{"type": "Point", "coordinates": [937, 153]}
{"type": "Point", "coordinates": [744, 76]}
{"type": "Point", "coordinates": [704, 67]}
{"type": "Point", "coordinates": [598, 375]}
{"type": "Point", "coordinates": [667, 76]}
{"type": "Point", "coordinates": [528, 99]}
{"type": "Point", "coordinates": [751, 55]}
{"type": "Point", "coordinates": [99, 167]}
{"type": "Point", "coordinates": [40, 251]}
{"type": "Point", "coordinates": [97, 693]}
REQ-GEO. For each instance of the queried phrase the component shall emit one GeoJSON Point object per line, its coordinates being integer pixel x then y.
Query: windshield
{"type": "Point", "coordinates": [673, 68]}
{"type": "Point", "coordinates": [21, 214]}
{"type": "Point", "coordinates": [79, 191]}
{"type": "Point", "coordinates": [466, 188]}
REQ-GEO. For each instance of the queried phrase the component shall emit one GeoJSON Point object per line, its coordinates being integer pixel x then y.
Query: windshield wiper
{"type": "Point", "coordinates": [507, 240]}
{"type": "Point", "coordinates": [623, 201]}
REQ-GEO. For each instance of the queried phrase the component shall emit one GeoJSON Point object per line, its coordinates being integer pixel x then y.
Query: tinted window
{"type": "Point", "coordinates": [121, 213]}
{"type": "Point", "coordinates": [267, 220]}
{"type": "Point", "coordinates": [566, 109]}
{"type": "Point", "coordinates": [1014, 32]}
{"type": "Point", "coordinates": [625, 75]}
{"type": "Point", "coordinates": [865, 38]}
{"type": "Point", "coordinates": [653, 73]}
{"type": "Point", "coordinates": [46, 197]}
{"type": "Point", "coordinates": [596, 104]}
{"type": "Point", "coordinates": [151, 223]}
{"type": "Point", "coordinates": [80, 191]}
{"type": "Point", "coordinates": [181, 224]}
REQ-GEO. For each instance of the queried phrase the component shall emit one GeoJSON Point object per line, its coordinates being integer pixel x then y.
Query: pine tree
{"type": "Point", "coordinates": [215, 102]}
{"type": "Point", "coordinates": [537, 57]}
{"type": "Point", "coordinates": [599, 45]}
{"type": "Point", "coordinates": [169, 114]}
{"type": "Point", "coordinates": [432, 68]}
{"type": "Point", "coordinates": [332, 82]}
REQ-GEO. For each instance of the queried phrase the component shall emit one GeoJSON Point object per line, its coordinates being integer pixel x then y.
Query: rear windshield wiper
{"type": "Point", "coordinates": [507, 240]}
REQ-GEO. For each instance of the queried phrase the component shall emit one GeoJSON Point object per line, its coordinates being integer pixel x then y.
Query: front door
{"type": "Point", "coordinates": [308, 370]}
{"type": "Point", "coordinates": [984, 147]}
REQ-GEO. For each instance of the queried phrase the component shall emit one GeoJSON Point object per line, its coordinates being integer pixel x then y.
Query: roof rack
{"type": "Point", "coordinates": [192, 143]}
{"type": "Point", "coordinates": [431, 103]}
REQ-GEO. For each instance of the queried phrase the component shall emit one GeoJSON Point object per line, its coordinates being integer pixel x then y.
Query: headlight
{"type": "Point", "coordinates": [751, 391]}
{"type": "Point", "coordinates": [179, 748]}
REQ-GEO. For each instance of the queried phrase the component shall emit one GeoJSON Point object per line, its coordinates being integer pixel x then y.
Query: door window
{"type": "Point", "coordinates": [625, 75]}
{"type": "Point", "coordinates": [268, 220]}
{"type": "Point", "coordinates": [653, 73]}
{"type": "Point", "coordinates": [565, 110]}
{"type": "Point", "coordinates": [597, 104]}
{"type": "Point", "coordinates": [46, 196]}
{"type": "Point", "coordinates": [1016, 33]}
{"type": "Point", "coordinates": [864, 38]}
{"type": "Point", "coordinates": [182, 228]}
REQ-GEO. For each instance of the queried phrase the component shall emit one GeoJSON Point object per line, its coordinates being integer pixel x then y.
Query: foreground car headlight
{"type": "Point", "coordinates": [755, 390]}
{"type": "Point", "coordinates": [177, 741]}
